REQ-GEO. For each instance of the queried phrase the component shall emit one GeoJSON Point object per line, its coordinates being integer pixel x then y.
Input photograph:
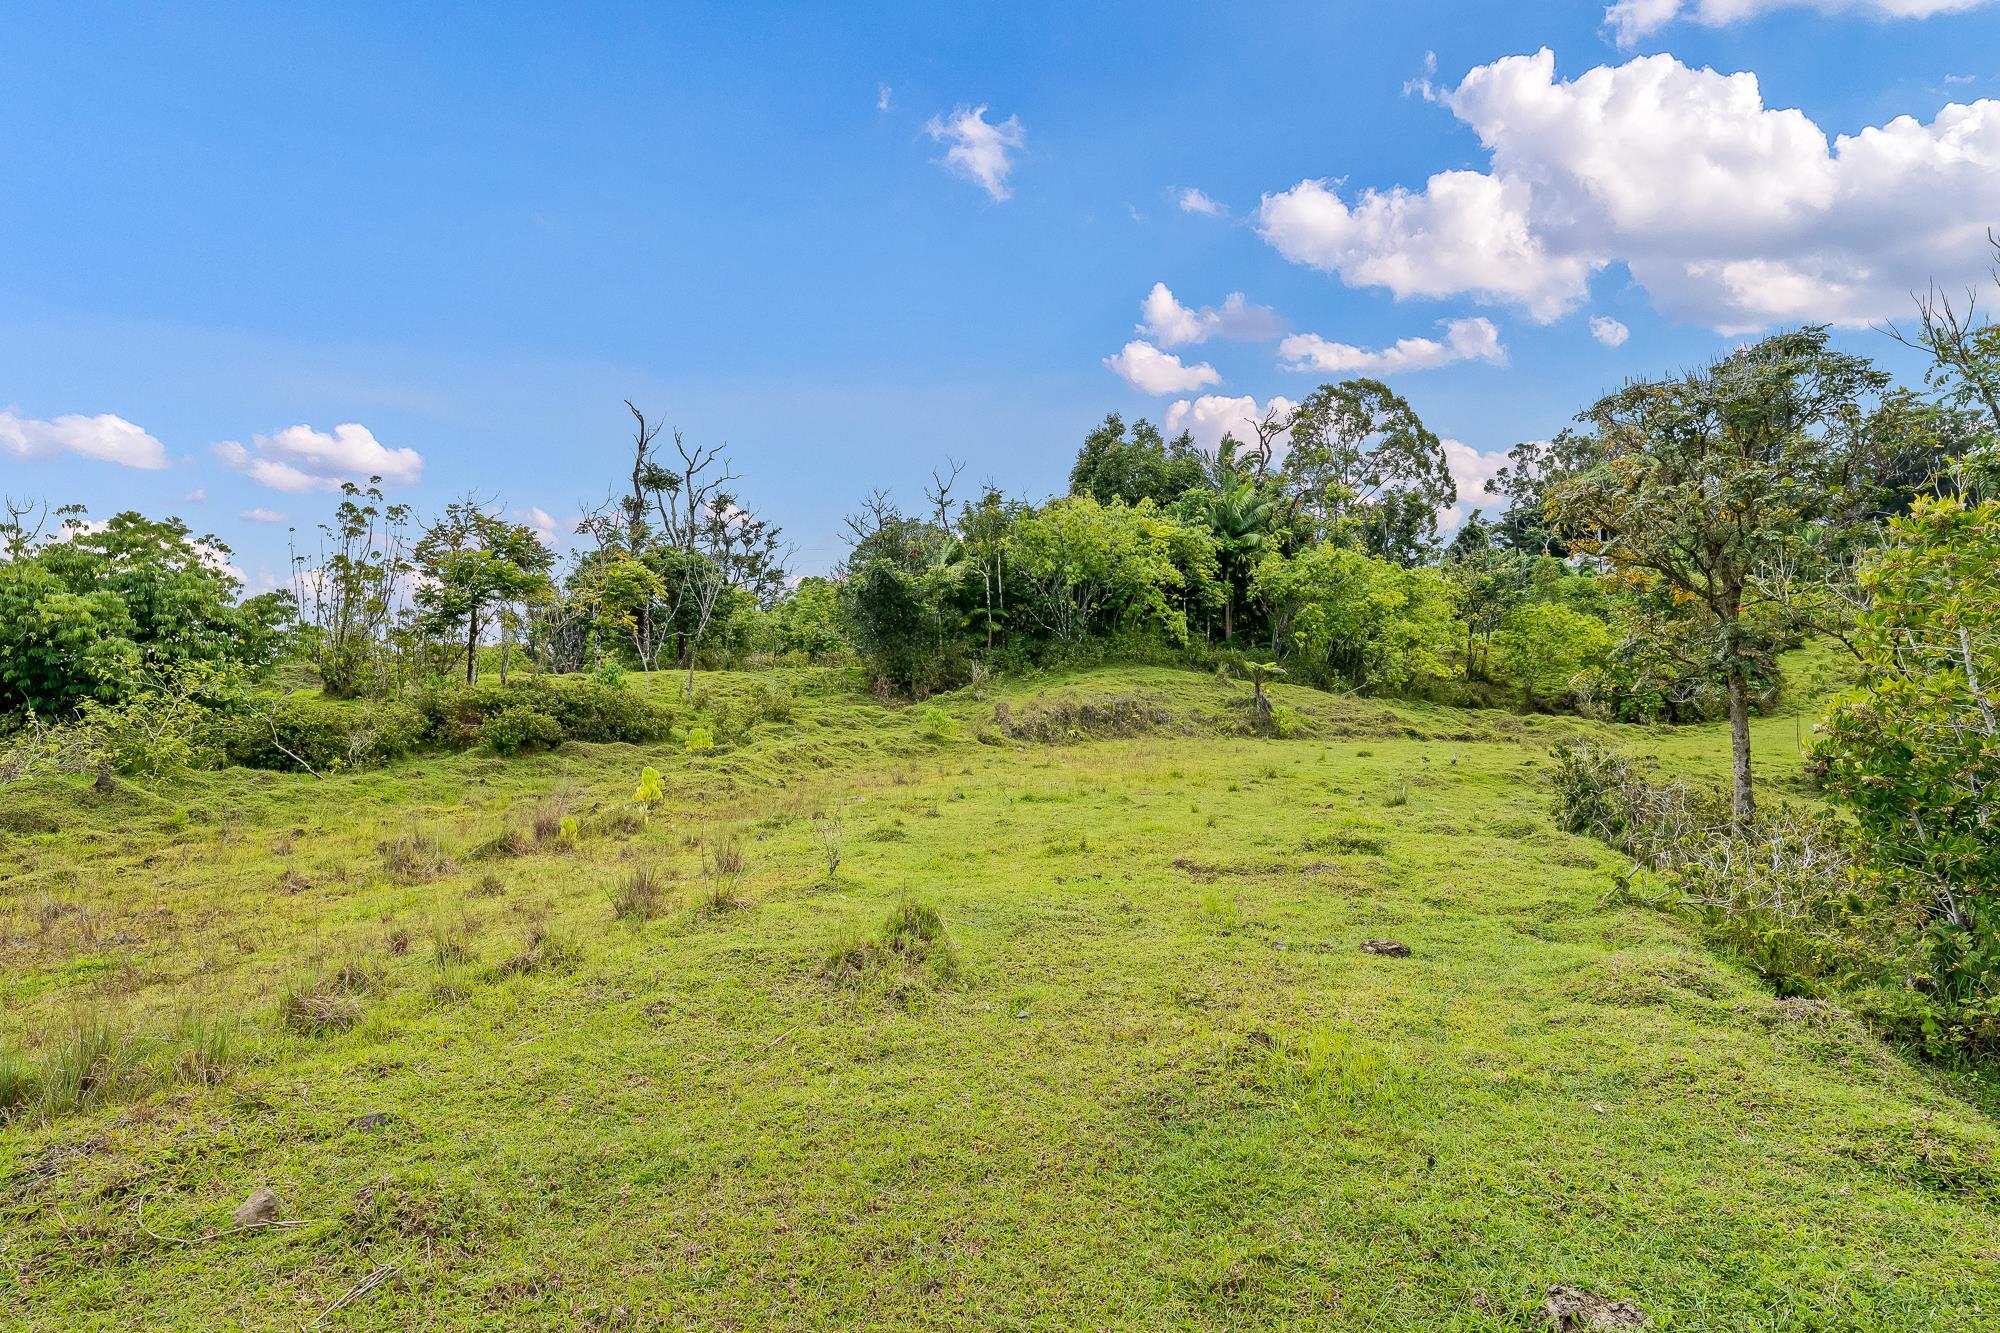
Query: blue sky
{"type": "Point", "coordinates": [471, 231]}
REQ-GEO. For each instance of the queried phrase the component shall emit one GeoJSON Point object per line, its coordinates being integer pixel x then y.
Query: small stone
{"type": "Point", "coordinates": [1571, 1310]}
{"type": "Point", "coordinates": [1387, 948]}
{"type": "Point", "coordinates": [260, 1209]}
{"type": "Point", "coordinates": [374, 1120]}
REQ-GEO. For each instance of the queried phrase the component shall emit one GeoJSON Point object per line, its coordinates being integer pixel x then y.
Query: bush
{"type": "Point", "coordinates": [326, 733]}
{"type": "Point", "coordinates": [519, 728]}
{"type": "Point", "coordinates": [1779, 896]}
{"type": "Point", "coordinates": [699, 740]}
{"type": "Point", "coordinates": [939, 725]}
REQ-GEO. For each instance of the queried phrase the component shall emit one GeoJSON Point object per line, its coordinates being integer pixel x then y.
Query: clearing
{"type": "Point", "coordinates": [1147, 1077]}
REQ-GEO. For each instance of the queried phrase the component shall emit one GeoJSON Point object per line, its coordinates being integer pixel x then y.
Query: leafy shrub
{"type": "Point", "coordinates": [939, 725]}
{"type": "Point", "coordinates": [699, 740]}
{"type": "Point", "coordinates": [650, 791]}
{"type": "Point", "coordinates": [326, 733]}
{"type": "Point", "coordinates": [519, 728]}
{"type": "Point", "coordinates": [591, 710]}
{"type": "Point", "coordinates": [1914, 751]}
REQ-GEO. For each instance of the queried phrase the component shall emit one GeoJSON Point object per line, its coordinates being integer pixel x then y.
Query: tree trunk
{"type": "Point", "coordinates": [471, 646]}
{"type": "Point", "coordinates": [1228, 614]}
{"type": "Point", "coordinates": [1743, 801]}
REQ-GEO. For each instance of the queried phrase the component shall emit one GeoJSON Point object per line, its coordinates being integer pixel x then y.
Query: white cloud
{"type": "Point", "coordinates": [261, 516]}
{"type": "Point", "coordinates": [1728, 212]}
{"type": "Point", "coordinates": [1630, 20]}
{"type": "Point", "coordinates": [881, 97]}
{"type": "Point", "coordinates": [1194, 201]}
{"type": "Point", "coordinates": [107, 438]}
{"type": "Point", "coordinates": [539, 519]}
{"type": "Point", "coordinates": [1466, 233]}
{"type": "Point", "coordinates": [195, 497]}
{"type": "Point", "coordinates": [1608, 331]}
{"type": "Point", "coordinates": [1464, 340]}
{"type": "Point", "coordinates": [1471, 469]}
{"type": "Point", "coordinates": [1149, 370]}
{"type": "Point", "coordinates": [299, 458]}
{"type": "Point", "coordinates": [1171, 324]}
{"type": "Point", "coordinates": [980, 151]}
{"type": "Point", "coordinates": [1208, 418]}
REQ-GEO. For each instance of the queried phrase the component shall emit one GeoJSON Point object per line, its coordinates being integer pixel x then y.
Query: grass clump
{"type": "Point", "coordinates": [416, 857]}
{"type": "Point", "coordinates": [722, 867]}
{"type": "Point", "coordinates": [639, 896]}
{"type": "Point", "coordinates": [83, 1065]}
{"type": "Point", "coordinates": [542, 951]}
{"type": "Point", "coordinates": [19, 1085]}
{"type": "Point", "coordinates": [1329, 1071]}
{"type": "Point", "coordinates": [322, 1006]}
{"type": "Point", "coordinates": [908, 956]}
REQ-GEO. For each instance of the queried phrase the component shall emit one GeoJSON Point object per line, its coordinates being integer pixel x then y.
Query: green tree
{"type": "Point", "coordinates": [1372, 621]}
{"type": "Point", "coordinates": [1367, 469]}
{"type": "Point", "coordinates": [1727, 489]}
{"type": "Point", "coordinates": [474, 562]}
{"type": "Point", "coordinates": [81, 615]}
{"type": "Point", "coordinates": [1545, 648]}
{"type": "Point", "coordinates": [352, 596]}
{"type": "Point", "coordinates": [1087, 567]}
{"type": "Point", "coordinates": [1244, 511]}
{"type": "Point", "coordinates": [1143, 465]}
{"type": "Point", "coordinates": [1914, 750]}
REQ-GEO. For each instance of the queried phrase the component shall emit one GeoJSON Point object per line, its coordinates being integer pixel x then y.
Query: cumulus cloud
{"type": "Point", "coordinates": [540, 520]}
{"type": "Point", "coordinates": [261, 516]}
{"type": "Point", "coordinates": [881, 97]}
{"type": "Point", "coordinates": [1149, 370]}
{"type": "Point", "coordinates": [1170, 324]}
{"type": "Point", "coordinates": [980, 151]}
{"type": "Point", "coordinates": [299, 458]}
{"type": "Point", "coordinates": [1463, 234]}
{"type": "Point", "coordinates": [1464, 340]}
{"type": "Point", "coordinates": [107, 438]}
{"type": "Point", "coordinates": [1629, 20]}
{"type": "Point", "coordinates": [1730, 213]}
{"type": "Point", "coordinates": [1608, 331]}
{"type": "Point", "coordinates": [1194, 201]}
{"type": "Point", "coordinates": [1208, 418]}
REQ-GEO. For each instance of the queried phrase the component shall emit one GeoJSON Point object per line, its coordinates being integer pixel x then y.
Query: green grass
{"type": "Point", "coordinates": [1078, 1033]}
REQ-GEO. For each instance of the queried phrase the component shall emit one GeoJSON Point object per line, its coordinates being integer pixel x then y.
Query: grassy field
{"type": "Point", "coordinates": [1136, 1072]}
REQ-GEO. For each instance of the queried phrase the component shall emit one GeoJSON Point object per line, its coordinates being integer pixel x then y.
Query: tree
{"type": "Point", "coordinates": [1914, 750]}
{"type": "Point", "coordinates": [350, 598]}
{"type": "Point", "coordinates": [1728, 489]}
{"type": "Point", "coordinates": [1545, 647]}
{"type": "Point", "coordinates": [474, 562]}
{"type": "Point", "coordinates": [1144, 466]}
{"type": "Point", "coordinates": [83, 615]}
{"type": "Point", "coordinates": [1370, 620]}
{"type": "Point", "coordinates": [1365, 466]}
{"type": "Point", "coordinates": [1088, 568]}
{"type": "Point", "coordinates": [1525, 524]}
{"type": "Point", "coordinates": [1243, 511]}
